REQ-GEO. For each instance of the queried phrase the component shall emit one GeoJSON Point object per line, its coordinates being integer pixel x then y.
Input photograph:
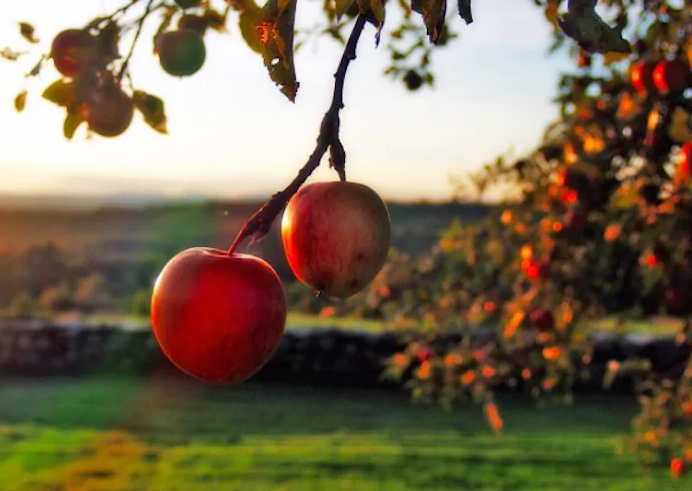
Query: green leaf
{"type": "Point", "coordinates": [433, 12]}
{"type": "Point", "coordinates": [587, 28]}
{"type": "Point", "coordinates": [59, 92]}
{"type": "Point", "coordinates": [37, 67]}
{"type": "Point", "coordinates": [28, 32]}
{"type": "Point", "coordinates": [335, 33]}
{"type": "Point", "coordinates": [465, 11]}
{"type": "Point", "coordinates": [329, 8]}
{"type": "Point", "coordinates": [335, 9]}
{"type": "Point", "coordinates": [215, 20]}
{"type": "Point", "coordinates": [248, 21]}
{"type": "Point", "coordinates": [72, 121]}
{"type": "Point", "coordinates": [342, 6]}
{"type": "Point", "coordinates": [10, 54]}
{"type": "Point", "coordinates": [376, 7]}
{"type": "Point", "coordinates": [107, 42]}
{"type": "Point", "coordinates": [152, 109]}
{"type": "Point", "coordinates": [166, 20]}
{"type": "Point", "coordinates": [626, 196]}
{"type": "Point", "coordinates": [275, 34]}
{"type": "Point", "coordinates": [20, 101]}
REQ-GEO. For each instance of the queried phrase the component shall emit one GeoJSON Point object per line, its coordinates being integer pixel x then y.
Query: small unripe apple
{"type": "Point", "coordinates": [672, 76]}
{"type": "Point", "coordinates": [336, 236]}
{"type": "Point", "coordinates": [642, 76]}
{"type": "Point", "coordinates": [218, 316]}
{"type": "Point", "coordinates": [413, 80]}
{"type": "Point", "coordinates": [182, 53]}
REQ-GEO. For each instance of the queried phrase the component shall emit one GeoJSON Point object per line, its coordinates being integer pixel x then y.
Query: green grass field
{"type": "Point", "coordinates": [657, 326]}
{"type": "Point", "coordinates": [158, 434]}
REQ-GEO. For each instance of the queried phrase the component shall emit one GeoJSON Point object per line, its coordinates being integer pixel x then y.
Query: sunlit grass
{"type": "Point", "coordinates": [653, 326]}
{"type": "Point", "coordinates": [660, 326]}
{"type": "Point", "coordinates": [137, 434]}
{"type": "Point", "coordinates": [307, 321]}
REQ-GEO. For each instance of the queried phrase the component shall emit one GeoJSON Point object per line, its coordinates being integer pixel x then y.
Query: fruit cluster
{"type": "Point", "coordinates": [219, 315]}
{"type": "Point", "coordinates": [92, 90]}
{"type": "Point", "coordinates": [666, 76]}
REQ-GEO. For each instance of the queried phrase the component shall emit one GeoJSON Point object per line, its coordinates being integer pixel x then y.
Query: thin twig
{"type": "Point", "coordinates": [95, 23]}
{"type": "Point", "coordinates": [140, 26]}
{"type": "Point", "coordinates": [123, 9]}
{"type": "Point", "coordinates": [260, 223]}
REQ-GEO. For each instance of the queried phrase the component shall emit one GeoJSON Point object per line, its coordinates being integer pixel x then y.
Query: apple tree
{"type": "Point", "coordinates": [603, 227]}
{"type": "Point", "coordinates": [603, 224]}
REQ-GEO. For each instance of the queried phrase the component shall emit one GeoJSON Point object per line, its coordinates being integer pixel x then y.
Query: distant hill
{"type": "Point", "coordinates": [127, 235]}
{"type": "Point", "coordinates": [85, 221]}
{"type": "Point", "coordinates": [116, 251]}
{"type": "Point", "coordinates": [85, 202]}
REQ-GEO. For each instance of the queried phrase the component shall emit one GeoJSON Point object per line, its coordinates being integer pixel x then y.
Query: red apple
{"type": "Point", "coordinates": [536, 270]}
{"type": "Point", "coordinates": [685, 167]}
{"type": "Point", "coordinates": [672, 76]}
{"type": "Point", "coordinates": [218, 316]}
{"type": "Point", "coordinates": [583, 59]}
{"type": "Point", "coordinates": [642, 76]}
{"type": "Point", "coordinates": [572, 179]}
{"type": "Point", "coordinates": [72, 50]}
{"type": "Point", "coordinates": [108, 110]}
{"type": "Point", "coordinates": [424, 355]}
{"type": "Point", "coordinates": [677, 467]}
{"type": "Point", "coordinates": [575, 220]}
{"type": "Point", "coordinates": [651, 260]}
{"type": "Point", "coordinates": [542, 320]}
{"type": "Point", "coordinates": [678, 300]}
{"type": "Point", "coordinates": [336, 236]}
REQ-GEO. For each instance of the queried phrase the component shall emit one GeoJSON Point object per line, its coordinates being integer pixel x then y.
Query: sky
{"type": "Point", "coordinates": [233, 134]}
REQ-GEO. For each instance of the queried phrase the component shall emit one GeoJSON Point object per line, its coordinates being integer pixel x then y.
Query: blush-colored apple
{"type": "Point", "coordinates": [218, 316]}
{"type": "Point", "coordinates": [672, 76]}
{"type": "Point", "coordinates": [642, 76]}
{"type": "Point", "coordinates": [336, 236]}
{"type": "Point", "coordinates": [686, 161]}
{"type": "Point", "coordinates": [72, 50]}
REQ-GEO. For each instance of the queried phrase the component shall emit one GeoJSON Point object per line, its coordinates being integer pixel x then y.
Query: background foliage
{"type": "Point", "coordinates": [604, 225]}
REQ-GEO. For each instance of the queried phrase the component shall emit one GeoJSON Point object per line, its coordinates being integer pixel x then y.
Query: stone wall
{"type": "Point", "coordinates": [319, 356]}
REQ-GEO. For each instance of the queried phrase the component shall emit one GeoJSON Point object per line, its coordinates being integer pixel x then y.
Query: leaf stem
{"type": "Point", "coordinates": [260, 223]}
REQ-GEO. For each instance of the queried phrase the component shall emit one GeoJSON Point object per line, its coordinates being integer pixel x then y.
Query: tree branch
{"type": "Point", "coordinates": [260, 223]}
{"type": "Point", "coordinates": [123, 9]}
{"type": "Point", "coordinates": [140, 25]}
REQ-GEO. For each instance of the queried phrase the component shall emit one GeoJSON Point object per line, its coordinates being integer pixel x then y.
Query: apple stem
{"type": "Point", "coordinates": [259, 224]}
